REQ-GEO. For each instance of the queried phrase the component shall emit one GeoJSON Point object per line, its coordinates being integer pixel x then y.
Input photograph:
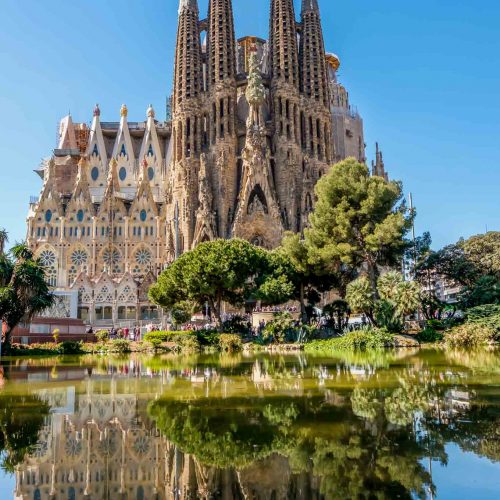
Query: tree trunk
{"type": "Point", "coordinates": [6, 341]}
{"type": "Point", "coordinates": [373, 275]}
{"type": "Point", "coordinates": [303, 313]}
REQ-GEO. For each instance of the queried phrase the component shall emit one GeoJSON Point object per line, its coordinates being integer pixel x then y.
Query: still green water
{"type": "Point", "coordinates": [408, 424]}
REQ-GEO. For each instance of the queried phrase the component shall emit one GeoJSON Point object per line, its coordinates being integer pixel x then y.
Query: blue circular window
{"type": "Point", "coordinates": [144, 215]}
{"type": "Point", "coordinates": [48, 215]}
{"type": "Point", "coordinates": [94, 174]}
{"type": "Point", "coordinates": [80, 215]}
{"type": "Point", "coordinates": [151, 173]}
{"type": "Point", "coordinates": [123, 173]}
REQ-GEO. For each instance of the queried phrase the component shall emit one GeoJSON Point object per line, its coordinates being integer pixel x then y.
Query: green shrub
{"type": "Point", "coordinates": [471, 335]}
{"type": "Point", "coordinates": [435, 324]}
{"type": "Point", "coordinates": [237, 324]}
{"type": "Point", "coordinates": [358, 340]}
{"type": "Point", "coordinates": [280, 329]}
{"type": "Point", "coordinates": [167, 336]}
{"type": "Point", "coordinates": [102, 336]}
{"type": "Point", "coordinates": [230, 342]}
{"type": "Point", "coordinates": [71, 347]}
{"type": "Point", "coordinates": [488, 316]}
{"type": "Point", "coordinates": [188, 343]}
{"type": "Point", "coordinates": [429, 335]}
{"type": "Point", "coordinates": [208, 337]}
{"type": "Point", "coordinates": [184, 341]}
{"type": "Point", "coordinates": [120, 346]}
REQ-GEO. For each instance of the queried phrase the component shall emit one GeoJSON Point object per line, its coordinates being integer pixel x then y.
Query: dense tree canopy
{"type": "Point", "coordinates": [214, 272]}
{"type": "Point", "coordinates": [359, 220]}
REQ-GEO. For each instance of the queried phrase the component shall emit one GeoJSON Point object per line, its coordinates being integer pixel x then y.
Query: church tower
{"type": "Point", "coordinates": [186, 127]}
{"type": "Point", "coordinates": [285, 102]}
{"type": "Point", "coordinates": [316, 135]}
{"type": "Point", "coordinates": [220, 111]}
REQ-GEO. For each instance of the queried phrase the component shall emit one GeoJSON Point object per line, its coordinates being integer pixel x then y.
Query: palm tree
{"type": "Point", "coordinates": [4, 238]}
{"type": "Point", "coordinates": [24, 291]}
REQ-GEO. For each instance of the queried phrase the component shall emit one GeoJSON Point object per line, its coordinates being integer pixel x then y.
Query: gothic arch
{"type": "Point", "coordinates": [78, 260]}
{"type": "Point", "coordinates": [50, 261]}
{"type": "Point", "coordinates": [257, 201]}
{"type": "Point", "coordinates": [142, 260]}
{"type": "Point", "coordinates": [111, 259]}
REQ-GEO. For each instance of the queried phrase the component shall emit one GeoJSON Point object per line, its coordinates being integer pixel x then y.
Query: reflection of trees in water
{"type": "Point", "coordinates": [21, 420]}
{"type": "Point", "coordinates": [349, 457]}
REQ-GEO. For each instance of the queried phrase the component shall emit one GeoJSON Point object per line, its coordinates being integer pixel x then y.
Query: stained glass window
{"type": "Point", "coordinates": [95, 174]}
{"type": "Point", "coordinates": [123, 173]}
{"type": "Point", "coordinates": [143, 215]}
{"type": "Point", "coordinates": [48, 216]}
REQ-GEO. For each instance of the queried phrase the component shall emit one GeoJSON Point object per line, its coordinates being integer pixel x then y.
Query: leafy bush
{"type": "Point", "coordinates": [435, 324]}
{"type": "Point", "coordinates": [279, 329]}
{"type": "Point", "coordinates": [71, 347]}
{"type": "Point", "coordinates": [364, 339]}
{"type": "Point", "coordinates": [230, 342]}
{"type": "Point", "coordinates": [167, 336]}
{"type": "Point", "coordinates": [120, 346]}
{"type": "Point", "coordinates": [429, 335]}
{"type": "Point", "coordinates": [471, 335]}
{"type": "Point", "coordinates": [488, 316]}
{"type": "Point", "coordinates": [184, 341]}
{"type": "Point", "coordinates": [208, 337]}
{"type": "Point", "coordinates": [237, 324]}
{"type": "Point", "coordinates": [102, 336]}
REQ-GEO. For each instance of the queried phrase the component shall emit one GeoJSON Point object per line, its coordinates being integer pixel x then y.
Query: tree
{"type": "Point", "coordinates": [214, 272]}
{"type": "Point", "coordinates": [449, 263]}
{"type": "Point", "coordinates": [21, 419]}
{"type": "Point", "coordinates": [361, 298]}
{"type": "Point", "coordinates": [395, 300]}
{"type": "Point", "coordinates": [358, 220]}
{"type": "Point", "coordinates": [484, 251]}
{"type": "Point", "coordinates": [24, 291]}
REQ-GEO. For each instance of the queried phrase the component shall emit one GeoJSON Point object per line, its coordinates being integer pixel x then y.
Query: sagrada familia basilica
{"type": "Point", "coordinates": [253, 125]}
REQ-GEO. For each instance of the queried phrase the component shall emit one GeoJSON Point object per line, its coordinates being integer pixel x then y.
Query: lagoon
{"type": "Point", "coordinates": [389, 424]}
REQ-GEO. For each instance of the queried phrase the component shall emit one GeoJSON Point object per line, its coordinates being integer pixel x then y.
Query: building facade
{"type": "Point", "coordinates": [254, 124]}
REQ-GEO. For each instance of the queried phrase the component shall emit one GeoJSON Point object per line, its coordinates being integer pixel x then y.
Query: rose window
{"type": "Point", "coordinates": [143, 257]}
{"type": "Point", "coordinates": [141, 445]}
{"type": "Point", "coordinates": [79, 257]}
{"type": "Point", "coordinates": [72, 447]}
{"type": "Point", "coordinates": [47, 258]}
{"type": "Point", "coordinates": [111, 257]}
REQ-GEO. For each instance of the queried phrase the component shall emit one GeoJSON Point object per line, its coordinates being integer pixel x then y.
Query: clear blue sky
{"type": "Point", "coordinates": [424, 75]}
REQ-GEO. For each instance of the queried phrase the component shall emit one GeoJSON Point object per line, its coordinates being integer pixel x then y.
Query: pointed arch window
{"type": "Point", "coordinates": [123, 150]}
{"type": "Point", "coordinates": [48, 216]}
{"type": "Point", "coordinates": [95, 151]}
{"type": "Point", "coordinates": [151, 173]}
{"type": "Point", "coordinates": [150, 150]}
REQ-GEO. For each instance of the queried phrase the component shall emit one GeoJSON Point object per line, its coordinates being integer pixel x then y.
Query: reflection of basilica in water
{"type": "Point", "coordinates": [103, 446]}
{"type": "Point", "coordinates": [253, 428]}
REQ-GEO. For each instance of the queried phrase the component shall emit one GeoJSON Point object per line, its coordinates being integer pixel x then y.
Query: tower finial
{"type": "Point", "coordinates": [97, 110]}
{"type": "Point", "coordinates": [124, 111]}
{"type": "Point", "coordinates": [188, 4]}
{"type": "Point", "coordinates": [310, 5]}
{"type": "Point", "coordinates": [151, 111]}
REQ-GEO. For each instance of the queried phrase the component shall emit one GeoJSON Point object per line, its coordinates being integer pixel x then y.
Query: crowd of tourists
{"type": "Point", "coordinates": [276, 309]}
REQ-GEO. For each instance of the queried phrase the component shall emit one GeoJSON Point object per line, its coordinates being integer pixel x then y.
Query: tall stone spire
{"type": "Point", "coordinates": [310, 5]}
{"type": "Point", "coordinates": [283, 42]}
{"type": "Point", "coordinates": [221, 42]}
{"type": "Point", "coordinates": [313, 81]}
{"type": "Point", "coordinates": [188, 72]}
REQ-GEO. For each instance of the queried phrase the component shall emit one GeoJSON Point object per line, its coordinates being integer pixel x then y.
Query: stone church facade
{"type": "Point", "coordinates": [253, 125]}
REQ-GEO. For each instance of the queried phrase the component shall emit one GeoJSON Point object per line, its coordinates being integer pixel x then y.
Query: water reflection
{"type": "Point", "coordinates": [280, 427]}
